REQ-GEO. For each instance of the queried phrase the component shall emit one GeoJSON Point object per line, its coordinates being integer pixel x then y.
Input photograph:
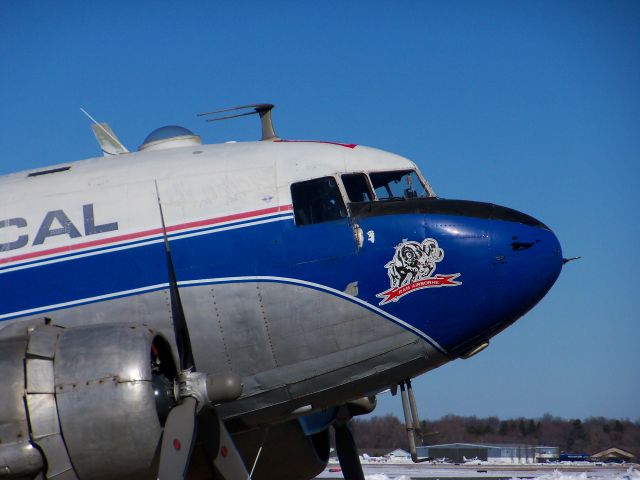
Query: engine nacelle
{"type": "Point", "coordinates": [18, 458]}
{"type": "Point", "coordinates": [106, 402]}
{"type": "Point", "coordinates": [91, 397]}
{"type": "Point", "coordinates": [287, 453]}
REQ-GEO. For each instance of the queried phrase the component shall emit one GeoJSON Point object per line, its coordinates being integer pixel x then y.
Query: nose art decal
{"type": "Point", "coordinates": [412, 268]}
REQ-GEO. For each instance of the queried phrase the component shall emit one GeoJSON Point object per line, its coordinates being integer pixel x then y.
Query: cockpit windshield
{"type": "Point", "coordinates": [357, 187]}
{"type": "Point", "coordinates": [397, 185]}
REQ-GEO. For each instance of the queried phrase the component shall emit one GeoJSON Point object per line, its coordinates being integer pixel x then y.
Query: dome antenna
{"type": "Point", "coordinates": [262, 109]}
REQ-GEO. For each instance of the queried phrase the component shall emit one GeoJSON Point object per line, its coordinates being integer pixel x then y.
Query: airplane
{"type": "Point", "coordinates": [216, 311]}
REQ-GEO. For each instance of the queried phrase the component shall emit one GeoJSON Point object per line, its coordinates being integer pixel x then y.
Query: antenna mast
{"type": "Point", "coordinates": [262, 109]}
{"type": "Point", "coordinates": [108, 141]}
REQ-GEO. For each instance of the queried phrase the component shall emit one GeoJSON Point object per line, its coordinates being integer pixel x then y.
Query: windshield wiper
{"type": "Point", "coordinates": [386, 199]}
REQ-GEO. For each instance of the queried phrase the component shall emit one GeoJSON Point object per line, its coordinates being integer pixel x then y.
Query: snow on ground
{"type": "Point", "coordinates": [381, 476]}
{"type": "Point", "coordinates": [630, 474]}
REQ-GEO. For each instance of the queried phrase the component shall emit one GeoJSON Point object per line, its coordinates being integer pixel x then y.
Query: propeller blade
{"type": "Point", "coordinates": [180, 428]}
{"type": "Point", "coordinates": [178, 440]}
{"type": "Point", "coordinates": [348, 453]}
{"type": "Point", "coordinates": [180, 329]}
{"type": "Point", "coordinates": [219, 447]}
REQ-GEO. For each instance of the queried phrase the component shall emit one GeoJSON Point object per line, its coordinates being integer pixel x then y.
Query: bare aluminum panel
{"type": "Point", "coordinates": [43, 341]}
{"type": "Point", "coordinates": [39, 376]}
{"type": "Point", "coordinates": [92, 416]}
{"type": "Point", "coordinates": [20, 460]}
{"type": "Point", "coordinates": [299, 316]}
{"type": "Point", "coordinates": [232, 332]}
{"type": "Point", "coordinates": [272, 334]}
{"type": "Point", "coordinates": [13, 417]}
{"type": "Point", "coordinates": [43, 415]}
{"type": "Point", "coordinates": [58, 463]}
{"type": "Point", "coordinates": [99, 343]}
{"type": "Point", "coordinates": [68, 475]}
{"type": "Point", "coordinates": [21, 328]}
{"type": "Point", "coordinates": [230, 323]}
{"type": "Point", "coordinates": [104, 392]}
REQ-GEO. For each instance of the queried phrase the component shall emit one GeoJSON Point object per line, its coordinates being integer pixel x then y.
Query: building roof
{"type": "Point", "coordinates": [398, 452]}
{"type": "Point", "coordinates": [373, 452]}
{"type": "Point", "coordinates": [614, 452]}
{"type": "Point", "coordinates": [487, 445]}
{"type": "Point", "coordinates": [459, 445]}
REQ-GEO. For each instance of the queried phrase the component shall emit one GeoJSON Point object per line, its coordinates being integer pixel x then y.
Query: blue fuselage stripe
{"type": "Point", "coordinates": [324, 257]}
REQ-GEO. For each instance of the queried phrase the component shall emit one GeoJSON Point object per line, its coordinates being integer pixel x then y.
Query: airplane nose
{"type": "Point", "coordinates": [526, 261]}
{"type": "Point", "coordinates": [500, 261]}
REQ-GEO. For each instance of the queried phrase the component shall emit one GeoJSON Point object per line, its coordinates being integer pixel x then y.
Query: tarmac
{"type": "Point", "coordinates": [555, 471]}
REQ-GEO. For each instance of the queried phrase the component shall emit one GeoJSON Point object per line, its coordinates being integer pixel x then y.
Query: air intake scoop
{"type": "Point", "coordinates": [171, 136]}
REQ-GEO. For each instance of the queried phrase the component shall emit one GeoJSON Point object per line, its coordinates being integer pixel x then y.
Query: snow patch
{"type": "Point", "coordinates": [382, 476]}
{"type": "Point", "coordinates": [631, 474]}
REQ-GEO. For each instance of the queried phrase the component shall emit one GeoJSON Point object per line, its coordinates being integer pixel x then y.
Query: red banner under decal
{"type": "Point", "coordinates": [394, 294]}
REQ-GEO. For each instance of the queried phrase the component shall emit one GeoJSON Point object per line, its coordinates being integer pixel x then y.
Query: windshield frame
{"type": "Point", "coordinates": [416, 170]}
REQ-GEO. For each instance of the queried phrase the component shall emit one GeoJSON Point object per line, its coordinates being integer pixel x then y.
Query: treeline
{"type": "Point", "coordinates": [572, 436]}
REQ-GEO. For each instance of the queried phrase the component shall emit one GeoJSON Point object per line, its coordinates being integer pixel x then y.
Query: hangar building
{"type": "Point", "coordinates": [498, 453]}
{"type": "Point", "coordinates": [613, 455]}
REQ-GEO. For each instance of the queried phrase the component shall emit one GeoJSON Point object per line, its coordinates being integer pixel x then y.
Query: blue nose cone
{"type": "Point", "coordinates": [526, 261]}
{"type": "Point", "coordinates": [501, 263]}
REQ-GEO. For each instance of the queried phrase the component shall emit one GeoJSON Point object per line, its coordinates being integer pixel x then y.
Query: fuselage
{"type": "Point", "coordinates": [300, 269]}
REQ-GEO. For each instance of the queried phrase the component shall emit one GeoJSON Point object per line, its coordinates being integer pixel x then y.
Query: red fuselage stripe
{"type": "Point", "coordinates": [347, 145]}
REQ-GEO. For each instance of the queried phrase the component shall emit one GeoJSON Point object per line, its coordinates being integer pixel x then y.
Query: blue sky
{"type": "Point", "coordinates": [533, 105]}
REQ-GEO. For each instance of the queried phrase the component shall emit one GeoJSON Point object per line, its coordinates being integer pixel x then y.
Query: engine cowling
{"type": "Point", "coordinates": [91, 398]}
{"type": "Point", "coordinates": [287, 453]}
{"type": "Point", "coordinates": [18, 457]}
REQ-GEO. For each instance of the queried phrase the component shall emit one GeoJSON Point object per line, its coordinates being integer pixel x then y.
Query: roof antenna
{"type": "Point", "coordinates": [107, 140]}
{"type": "Point", "coordinates": [262, 109]}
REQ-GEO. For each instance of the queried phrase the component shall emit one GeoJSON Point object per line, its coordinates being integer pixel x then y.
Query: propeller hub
{"type": "Point", "coordinates": [164, 395]}
{"type": "Point", "coordinates": [206, 388]}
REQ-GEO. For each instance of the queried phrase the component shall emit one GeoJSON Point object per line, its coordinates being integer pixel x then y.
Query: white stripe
{"type": "Point", "coordinates": [187, 283]}
{"type": "Point", "coordinates": [232, 227]}
{"type": "Point", "coordinates": [85, 300]}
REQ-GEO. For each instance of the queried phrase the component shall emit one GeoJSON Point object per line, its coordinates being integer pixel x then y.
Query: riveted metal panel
{"type": "Point", "coordinates": [39, 376]}
{"type": "Point", "coordinates": [67, 475]}
{"type": "Point", "coordinates": [106, 402]}
{"type": "Point", "coordinates": [42, 342]}
{"type": "Point", "coordinates": [361, 368]}
{"type": "Point", "coordinates": [58, 464]}
{"type": "Point", "coordinates": [214, 351]}
{"type": "Point", "coordinates": [152, 309]}
{"type": "Point", "coordinates": [101, 352]}
{"type": "Point", "coordinates": [299, 316]}
{"type": "Point", "coordinates": [43, 415]}
{"type": "Point", "coordinates": [13, 418]}
{"type": "Point", "coordinates": [232, 332]}
{"type": "Point", "coordinates": [267, 327]}
{"type": "Point", "coordinates": [21, 328]}
{"type": "Point", "coordinates": [118, 418]}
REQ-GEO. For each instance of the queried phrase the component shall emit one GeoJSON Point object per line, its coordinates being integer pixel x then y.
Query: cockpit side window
{"type": "Point", "coordinates": [397, 185]}
{"type": "Point", "coordinates": [317, 201]}
{"type": "Point", "coordinates": [357, 187]}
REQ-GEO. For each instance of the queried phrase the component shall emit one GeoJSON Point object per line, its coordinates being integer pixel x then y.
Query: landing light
{"type": "Point", "coordinates": [475, 350]}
